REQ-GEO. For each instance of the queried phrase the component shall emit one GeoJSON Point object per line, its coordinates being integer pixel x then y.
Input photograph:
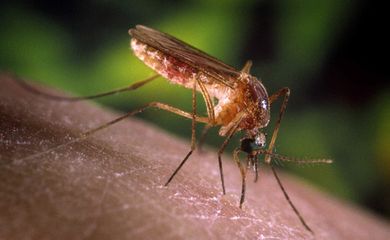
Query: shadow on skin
{"type": "Point", "coordinates": [109, 186]}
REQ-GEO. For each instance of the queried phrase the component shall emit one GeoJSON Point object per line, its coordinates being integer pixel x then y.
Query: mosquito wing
{"type": "Point", "coordinates": [192, 56]}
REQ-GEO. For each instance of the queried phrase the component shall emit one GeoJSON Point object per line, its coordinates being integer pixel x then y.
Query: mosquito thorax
{"type": "Point", "coordinates": [256, 105]}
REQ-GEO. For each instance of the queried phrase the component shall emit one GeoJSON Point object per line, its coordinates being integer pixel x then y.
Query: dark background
{"type": "Point", "coordinates": [332, 54]}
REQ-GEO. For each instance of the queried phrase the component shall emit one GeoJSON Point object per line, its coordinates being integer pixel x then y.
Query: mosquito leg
{"type": "Point", "coordinates": [284, 158]}
{"type": "Point", "coordinates": [203, 136]}
{"type": "Point", "coordinates": [193, 135]}
{"type": "Point", "coordinates": [289, 200]}
{"type": "Point", "coordinates": [34, 90]}
{"type": "Point", "coordinates": [210, 113]}
{"type": "Point", "coordinates": [86, 134]}
{"type": "Point", "coordinates": [231, 132]}
{"type": "Point", "coordinates": [209, 102]}
{"type": "Point", "coordinates": [256, 170]}
{"type": "Point", "coordinates": [243, 174]}
{"type": "Point", "coordinates": [281, 92]}
{"type": "Point", "coordinates": [247, 67]}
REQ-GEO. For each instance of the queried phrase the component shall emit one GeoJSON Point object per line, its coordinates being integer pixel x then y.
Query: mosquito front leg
{"type": "Point", "coordinates": [281, 92]}
{"type": "Point", "coordinates": [243, 174]}
{"type": "Point", "coordinates": [289, 200]}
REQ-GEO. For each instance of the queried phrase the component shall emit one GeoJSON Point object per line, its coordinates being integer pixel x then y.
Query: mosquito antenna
{"type": "Point", "coordinates": [294, 160]}
{"type": "Point", "coordinates": [34, 90]}
{"type": "Point", "coordinates": [290, 202]}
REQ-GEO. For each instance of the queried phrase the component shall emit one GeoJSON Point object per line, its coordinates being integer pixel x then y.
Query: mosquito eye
{"type": "Point", "coordinates": [247, 145]}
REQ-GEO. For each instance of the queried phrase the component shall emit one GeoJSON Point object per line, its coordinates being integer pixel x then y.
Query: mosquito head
{"type": "Point", "coordinates": [251, 144]}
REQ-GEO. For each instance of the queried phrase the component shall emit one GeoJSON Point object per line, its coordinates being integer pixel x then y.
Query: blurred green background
{"type": "Point", "coordinates": [330, 53]}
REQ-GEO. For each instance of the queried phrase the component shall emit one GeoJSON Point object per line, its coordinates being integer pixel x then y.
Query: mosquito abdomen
{"type": "Point", "coordinates": [167, 66]}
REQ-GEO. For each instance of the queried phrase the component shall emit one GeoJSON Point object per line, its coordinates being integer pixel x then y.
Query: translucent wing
{"type": "Point", "coordinates": [192, 56]}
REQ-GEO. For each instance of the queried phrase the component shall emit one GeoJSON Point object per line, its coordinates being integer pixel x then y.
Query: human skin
{"type": "Point", "coordinates": [110, 185]}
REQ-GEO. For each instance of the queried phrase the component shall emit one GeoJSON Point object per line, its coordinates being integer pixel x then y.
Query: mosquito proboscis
{"type": "Point", "coordinates": [235, 100]}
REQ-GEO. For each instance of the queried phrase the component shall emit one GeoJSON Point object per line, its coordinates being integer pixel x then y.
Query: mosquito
{"type": "Point", "coordinates": [234, 99]}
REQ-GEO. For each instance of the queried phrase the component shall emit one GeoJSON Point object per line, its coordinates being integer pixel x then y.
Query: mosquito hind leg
{"type": "Point", "coordinates": [88, 133]}
{"type": "Point", "coordinates": [22, 83]}
{"type": "Point", "coordinates": [281, 92]}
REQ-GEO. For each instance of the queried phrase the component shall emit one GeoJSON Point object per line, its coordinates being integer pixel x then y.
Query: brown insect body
{"type": "Point", "coordinates": [247, 95]}
{"type": "Point", "coordinates": [243, 102]}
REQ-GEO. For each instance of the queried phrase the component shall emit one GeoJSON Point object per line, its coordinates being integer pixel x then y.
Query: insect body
{"type": "Point", "coordinates": [243, 103]}
{"type": "Point", "coordinates": [236, 92]}
{"type": "Point", "coordinates": [247, 95]}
